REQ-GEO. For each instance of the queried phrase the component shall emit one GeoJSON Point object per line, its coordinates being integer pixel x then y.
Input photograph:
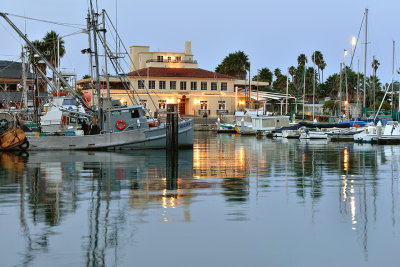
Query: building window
{"type": "Point", "coordinates": [203, 105]}
{"type": "Point", "coordinates": [169, 59]}
{"type": "Point", "coordinates": [224, 86]}
{"type": "Point", "coordinates": [183, 85]}
{"type": "Point", "coordinates": [203, 85]}
{"type": "Point", "coordinates": [160, 59]}
{"type": "Point", "coordinates": [172, 85]}
{"type": "Point", "coordinates": [152, 84]}
{"type": "Point", "coordinates": [141, 84]}
{"type": "Point", "coordinates": [178, 59]}
{"type": "Point", "coordinates": [221, 105]}
{"type": "Point", "coordinates": [214, 86]}
{"type": "Point", "coordinates": [162, 104]}
{"type": "Point", "coordinates": [161, 85]}
{"type": "Point", "coordinates": [143, 102]}
{"type": "Point", "coordinates": [193, 85]}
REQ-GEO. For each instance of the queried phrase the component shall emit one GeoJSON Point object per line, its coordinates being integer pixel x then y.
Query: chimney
{"type": "Point", "coordinates": [188, 48]}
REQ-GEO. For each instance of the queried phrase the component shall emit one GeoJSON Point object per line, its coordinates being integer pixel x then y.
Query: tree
{"type": "Point", "coordinates": [375, 65]}
{"type": "Point", "coordinates": [317, 59]}
{"type": "Point", "coordinates": [292, 71]}
{"type": "Point", "coordinates": [235, 64]}
{"type": "Point", "coordinates": [265, 75]}
{"type": "Point", "coordinates": [322, 67]}
{"type": "Point", "coordinates": [86, 76]}
{"type": "Point", "coordinates": [277, 72]}
{"type": "Point", "coordinates": [302, 60]}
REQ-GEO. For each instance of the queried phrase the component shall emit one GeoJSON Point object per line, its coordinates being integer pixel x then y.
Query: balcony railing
{"type": "Point", "coordinates": [172, 61]}
{"type": "Point", "coordinates": [204, 111]}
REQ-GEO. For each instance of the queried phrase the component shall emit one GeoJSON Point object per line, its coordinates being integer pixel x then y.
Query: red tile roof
{"type": "Point", "coordinates": [178, 73]}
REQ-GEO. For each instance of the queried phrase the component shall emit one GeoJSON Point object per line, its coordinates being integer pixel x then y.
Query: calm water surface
{"type": "Point", "coordinates": [231, 201]}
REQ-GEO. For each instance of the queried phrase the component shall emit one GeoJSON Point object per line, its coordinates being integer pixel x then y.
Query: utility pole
{"type": "Point", "coordinates": [365, 57]}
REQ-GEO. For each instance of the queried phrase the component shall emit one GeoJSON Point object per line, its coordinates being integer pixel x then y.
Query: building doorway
{"type": "Point", "coordinates": [182, 106]}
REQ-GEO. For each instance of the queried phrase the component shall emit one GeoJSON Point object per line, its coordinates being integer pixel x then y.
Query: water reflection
{"type": "Point", "coordinates": [100, 201]}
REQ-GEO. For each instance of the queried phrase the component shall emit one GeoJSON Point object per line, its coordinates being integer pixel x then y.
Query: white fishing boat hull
{"type": "Point", "coordinates": [133, 139]}
{"type": "Point", "coordinates": [291, 134]}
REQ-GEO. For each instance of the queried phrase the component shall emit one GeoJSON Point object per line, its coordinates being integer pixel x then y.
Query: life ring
{"type": "Point", "coordinates": [120, 125]}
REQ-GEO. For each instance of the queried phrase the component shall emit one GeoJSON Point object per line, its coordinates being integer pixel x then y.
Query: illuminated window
{"type": "Point", "coordinates": [152, 84]}
{"type": "Point", "coordinates": [221, 105]}
{"type": "Point", "coordinates": [183, 85]}
{"type": "Point", "coordinates": [172, 85]}
{"type": "Point", "coordinates": [193, 85]}
{"type": "Point", "coordinates": [203, 105]}
{"type": "Point", "coordinates": [203, 85]}
{"type": "Point", "coordinates": [160, 59]}
{"type": "Point", "coordinates": [162, 104]}
{"type": "Point", "coordinates": [141, 84]}
{"type": "Point", "coordinates": [214, 86]}
{"type": "Point", "coordinates": [224, 86]}
{"type": "Point", "coordinates": [169, 59]}
{"type": "Point", "coordinates": [178, 59]}
{"type": "Point", "coordinates": [161, 85]}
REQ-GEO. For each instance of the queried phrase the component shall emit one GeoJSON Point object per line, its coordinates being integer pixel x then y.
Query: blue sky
{"type": "Point", "coordinates": [272, 33]}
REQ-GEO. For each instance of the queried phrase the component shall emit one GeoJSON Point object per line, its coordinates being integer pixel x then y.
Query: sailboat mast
{"type": "Point", "coordinates": [365, 57]}
{"type": "Point", "coordinates": [23, 77]}
{"type": "Point", "coordinates": [96, 60]}
{"type": "Point", "coordinates": [304, 89]}
{"type": "Point", "coordinates": [313, 96]}
{"type": "Point", "coordinates": [391, 102]}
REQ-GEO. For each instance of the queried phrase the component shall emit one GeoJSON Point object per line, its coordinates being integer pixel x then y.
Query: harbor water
{"type": "Point", "coordinates": [229, 201]}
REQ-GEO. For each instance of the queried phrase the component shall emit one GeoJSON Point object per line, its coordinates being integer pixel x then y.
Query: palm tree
{"type": "Point", "coordinates": [277, 72]}
{"type": "Point", "coordinates": [265, 75]}
{"type": "Point", "coordinates": [317, 58]}
{"type": "Point", "coordinates": [375, 65]}
{"type": "Point", "coordinates": [235, 64]}
{"type": "Point", "coordinates": [302, 60]}
{"type": "Point", "coordinates": [292, 71]}
{"type": "Point", "coordinates": [322, 66]}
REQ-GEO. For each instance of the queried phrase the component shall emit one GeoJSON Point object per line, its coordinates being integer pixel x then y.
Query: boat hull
{"type": "Point", "coordinates": [141, 138]}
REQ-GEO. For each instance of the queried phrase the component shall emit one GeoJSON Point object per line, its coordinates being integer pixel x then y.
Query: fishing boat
{"type": "Point", "coordinates": [115, 128]}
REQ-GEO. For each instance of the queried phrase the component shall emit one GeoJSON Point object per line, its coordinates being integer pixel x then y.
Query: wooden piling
{"type": "Point", "coordinates": [172, 128]}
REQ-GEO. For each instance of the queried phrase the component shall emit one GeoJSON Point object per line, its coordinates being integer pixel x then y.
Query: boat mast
{"type": "Point", "coordinates": [391, 102]}
{"type": "Point", "coordinates": [304, 89]}
{"type": "Point", "coordinates": [313, 96]}
{"type": "Point", "coordinates": [106, 71]}
{"type": "Point", "coordinates": [96, 61]}
{"type": "Point", "coordinates": [48, 64]}
{"type": "Point", "coordinates": [23, 77]}
{"type": "Point", "coordinates": [287, 90]}
{"type": "Point", "coordinates": [358, 87]}
{"type": "Point", "coordinates": [90, 56]}
{"type": "Point", "coordinates": [365, 57]}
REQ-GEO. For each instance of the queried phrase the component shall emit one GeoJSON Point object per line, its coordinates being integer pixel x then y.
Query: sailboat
{"type": "Point", "coordinates": [127, 126]}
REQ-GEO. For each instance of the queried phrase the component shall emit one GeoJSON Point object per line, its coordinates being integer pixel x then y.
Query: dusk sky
{"type": "Point", "coordinates": [271, 33]}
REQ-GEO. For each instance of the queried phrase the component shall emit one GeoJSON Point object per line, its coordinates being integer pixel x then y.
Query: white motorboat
{"type": "Point", "coordinates": [391, 133]}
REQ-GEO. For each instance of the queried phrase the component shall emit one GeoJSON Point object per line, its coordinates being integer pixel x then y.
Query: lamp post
{"type": "Point", "coordinates": [345, 77]}
{"type": "Point", "coordinates": [353, 45]}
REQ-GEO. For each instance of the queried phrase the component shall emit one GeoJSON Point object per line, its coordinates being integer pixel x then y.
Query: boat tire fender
{"type": "Point", "coordinates": [24, 145]}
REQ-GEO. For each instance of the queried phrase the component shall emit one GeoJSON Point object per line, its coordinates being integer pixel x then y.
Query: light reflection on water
{"type": "Point", "coordinates": [229, 201]}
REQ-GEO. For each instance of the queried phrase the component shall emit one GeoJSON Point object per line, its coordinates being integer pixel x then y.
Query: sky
{"type": "Point", "coordinates": [271, 33]}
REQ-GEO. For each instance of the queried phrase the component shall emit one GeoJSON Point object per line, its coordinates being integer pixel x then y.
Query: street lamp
{"type": "Point", "coordinates": [347, 92]}
{"type": "Point", "coordinates": [353, 45]}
